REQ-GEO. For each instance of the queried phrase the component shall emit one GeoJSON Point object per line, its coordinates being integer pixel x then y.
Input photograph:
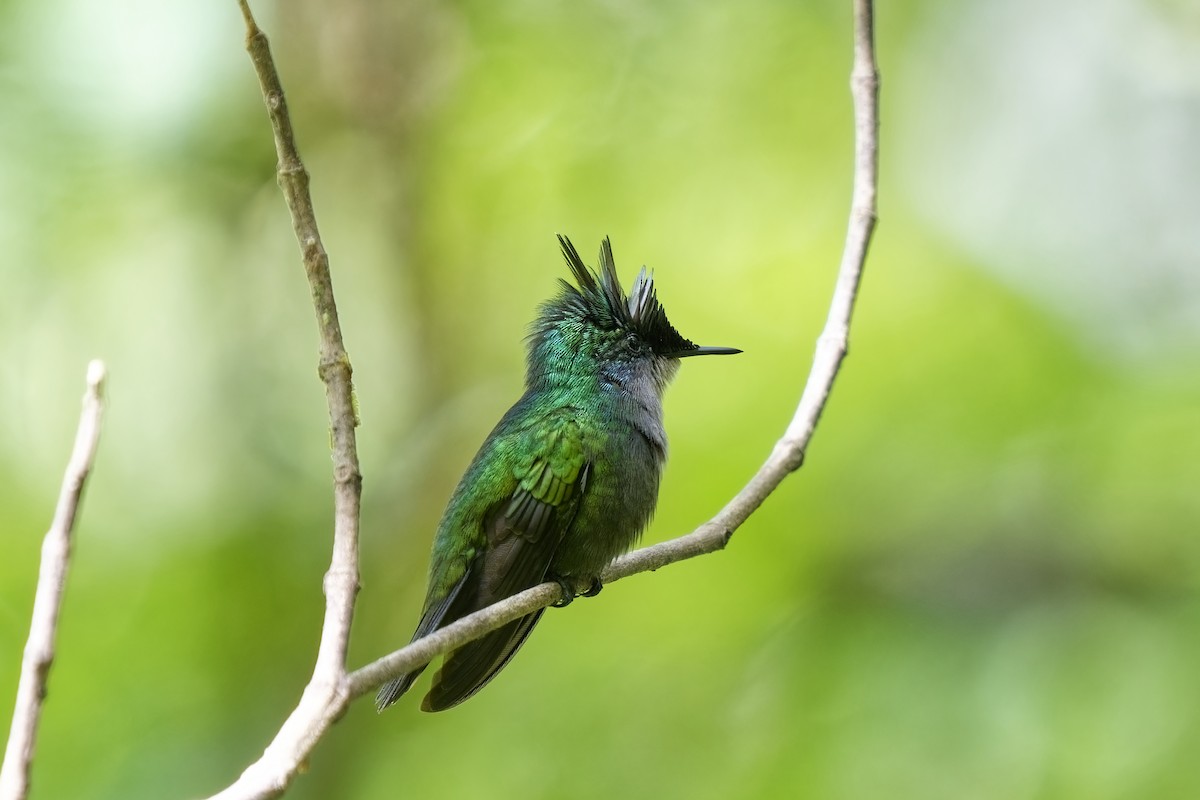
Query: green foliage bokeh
{"type": "Point", "coordinates": [982, 584]}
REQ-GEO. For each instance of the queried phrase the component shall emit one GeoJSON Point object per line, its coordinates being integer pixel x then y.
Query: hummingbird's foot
{"type": "Point", "coordinates": [568, 590]}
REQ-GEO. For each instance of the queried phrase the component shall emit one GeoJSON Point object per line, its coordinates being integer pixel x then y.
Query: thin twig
{"type": "Point", "coordinates": [323, 703]}
{"type": "Point", "coordinates": [323, 699]}
{"type": "Point", "coordinates": [52, 577]}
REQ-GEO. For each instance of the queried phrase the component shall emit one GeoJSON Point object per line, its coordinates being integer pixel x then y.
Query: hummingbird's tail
{"type": "Point", "coordinates": [466, 670]}
{"type": "Point", "coordinates": [435, 616]}
{"type": "Point", "coordinates": [393, 689]}
{"type": "Point", "coordinates": [469, 668]}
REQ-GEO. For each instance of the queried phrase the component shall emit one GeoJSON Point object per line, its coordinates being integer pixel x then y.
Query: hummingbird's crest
{"type": "Point", "coordinates": [601, 297]}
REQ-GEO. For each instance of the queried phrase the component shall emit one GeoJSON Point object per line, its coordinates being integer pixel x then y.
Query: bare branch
{"type": "Point", "coordinates": [341, 582]}
{"type": "Point", "coordinates": [56, 553]}
{"type": "Point", "coordinates": [323, 700]}
{"type": "Point", "coordinates": [331, 690]}
{"type": "Point", "coordinates": [789, 451]}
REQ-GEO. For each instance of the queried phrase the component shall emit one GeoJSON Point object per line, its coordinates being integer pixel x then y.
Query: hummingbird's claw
{"type": "Point", "coordinates": [568, 590]}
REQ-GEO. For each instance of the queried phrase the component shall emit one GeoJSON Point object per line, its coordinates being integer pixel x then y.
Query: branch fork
{"type": "Point", "coordinates": [332, 687]}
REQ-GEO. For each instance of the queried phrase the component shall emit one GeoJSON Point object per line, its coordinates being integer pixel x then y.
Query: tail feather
{"type": "Point", "coordinates": [471, 667]}
{"type": "Point", "coordinates": [433, 618]}
{"type": "Point", "coordinates": [393, 689]}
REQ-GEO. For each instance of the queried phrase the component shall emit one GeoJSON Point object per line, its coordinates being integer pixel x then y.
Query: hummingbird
{"type": "Point", "coordinates": [567, 480]}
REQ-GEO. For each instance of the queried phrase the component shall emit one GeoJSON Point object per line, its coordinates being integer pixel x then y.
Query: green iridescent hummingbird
{"type": "Point", "coordinates": [569, 477]}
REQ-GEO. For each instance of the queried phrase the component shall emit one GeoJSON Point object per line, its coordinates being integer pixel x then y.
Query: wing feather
{"type": "Point", "coordinates": [524, 534]}
{"type": "Point", "coordinates": [520, 536]}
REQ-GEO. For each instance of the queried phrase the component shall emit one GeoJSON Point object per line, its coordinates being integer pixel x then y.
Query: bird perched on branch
{"type": "Point", "coordinates": [569, 477]}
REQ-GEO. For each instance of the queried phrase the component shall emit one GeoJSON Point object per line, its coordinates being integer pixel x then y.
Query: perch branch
{"type": "Point", "coordinates": [52, 577]}
{"type": "Point", "coordinates": [323, 702]}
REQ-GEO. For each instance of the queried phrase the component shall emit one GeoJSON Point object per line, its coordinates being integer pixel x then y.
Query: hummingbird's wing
{"type": "Point", "coordinates": [516, 546]}
{"type": "Point", "coordinates": [523, 533]}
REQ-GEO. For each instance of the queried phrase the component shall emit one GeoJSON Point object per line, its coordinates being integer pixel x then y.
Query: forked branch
{"type": "Point", "coordinates": [332, 688]}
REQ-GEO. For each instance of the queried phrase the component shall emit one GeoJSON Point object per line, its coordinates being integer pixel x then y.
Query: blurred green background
{"type": "Point", "coordinates": [983, 583]}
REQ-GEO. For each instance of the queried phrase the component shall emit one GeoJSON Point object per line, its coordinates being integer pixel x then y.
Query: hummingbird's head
{"type": "Point", "coordinates": [596, 328]}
